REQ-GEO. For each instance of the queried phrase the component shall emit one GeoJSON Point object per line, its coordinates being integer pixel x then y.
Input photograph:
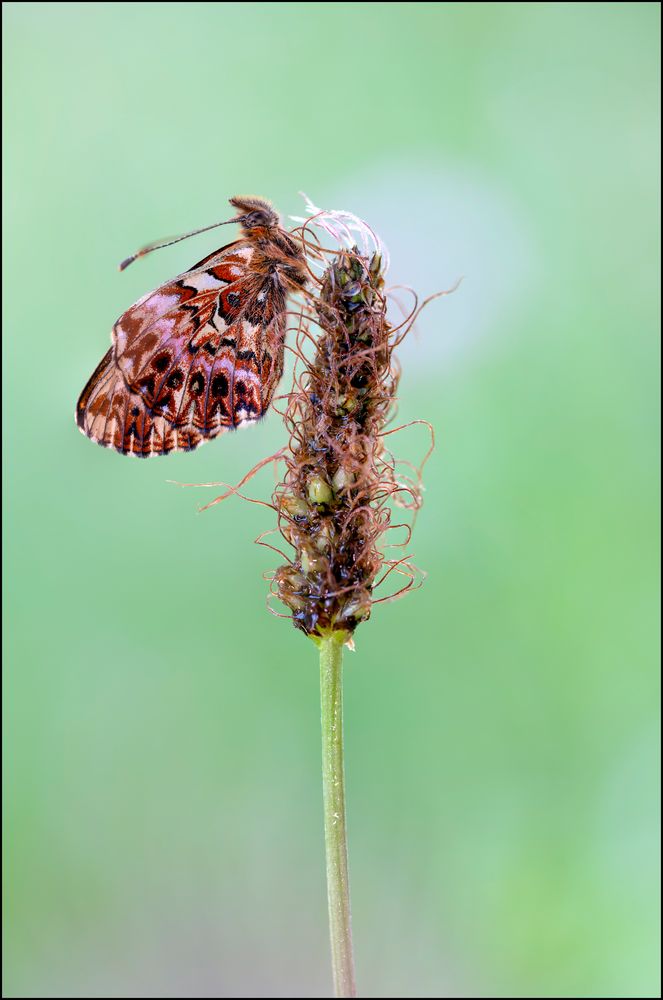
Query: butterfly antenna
{"type": "Point", "coordinates": [159, 244]}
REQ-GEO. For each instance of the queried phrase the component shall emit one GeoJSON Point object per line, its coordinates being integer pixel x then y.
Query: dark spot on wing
{"type": "Point", "coordinates": [197, 384]}
{"type": "Point", "coordinates": [220, 385]}
{"type": "Point", "coordinates": [147, 386]}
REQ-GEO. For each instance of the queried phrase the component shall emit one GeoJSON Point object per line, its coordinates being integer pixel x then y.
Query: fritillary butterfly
{"type": "Point", "coordinates": [204, 352]}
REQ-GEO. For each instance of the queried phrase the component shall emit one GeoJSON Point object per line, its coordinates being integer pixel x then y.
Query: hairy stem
{"type": "Point", "coordinates": [338, 885]}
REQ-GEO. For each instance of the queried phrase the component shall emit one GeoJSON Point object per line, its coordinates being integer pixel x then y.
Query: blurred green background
{"type": "Point", "coordinates": [163, 803]}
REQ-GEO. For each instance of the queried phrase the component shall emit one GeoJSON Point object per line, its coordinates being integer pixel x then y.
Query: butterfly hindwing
{"type": "Point", "coordinates": [113, 416]}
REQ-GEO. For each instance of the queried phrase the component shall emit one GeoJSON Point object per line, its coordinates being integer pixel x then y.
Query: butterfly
{"type": "Point", "coordinates": [203, 353]}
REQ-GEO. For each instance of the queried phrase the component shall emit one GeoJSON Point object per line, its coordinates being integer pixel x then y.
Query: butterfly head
{"type": "Point", "coordinates": [262, 225]}
{"type": "Point", "coordinates": [255, 213]}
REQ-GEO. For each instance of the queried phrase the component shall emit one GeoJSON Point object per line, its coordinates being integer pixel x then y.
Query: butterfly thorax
{"type": "Point", "coordinates": [279, 254]}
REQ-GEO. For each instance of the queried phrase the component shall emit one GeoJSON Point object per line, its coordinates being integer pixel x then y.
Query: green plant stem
{"type": "Point", "coordinates": [338, 885]}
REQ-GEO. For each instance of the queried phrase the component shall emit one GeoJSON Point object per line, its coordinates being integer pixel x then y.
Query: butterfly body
{"type": "Point", "coordinates": [204, 352]}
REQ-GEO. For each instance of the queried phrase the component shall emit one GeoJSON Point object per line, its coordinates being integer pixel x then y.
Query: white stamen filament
{"type": "Point", "coordinates": [343, 227]}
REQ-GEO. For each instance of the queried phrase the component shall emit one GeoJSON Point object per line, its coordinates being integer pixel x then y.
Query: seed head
{"type": "Point", "coordinates": [332, 502]}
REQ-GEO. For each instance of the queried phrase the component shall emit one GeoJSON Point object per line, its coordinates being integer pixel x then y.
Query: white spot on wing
{"type": "Point", "coordinates": [203, 281]}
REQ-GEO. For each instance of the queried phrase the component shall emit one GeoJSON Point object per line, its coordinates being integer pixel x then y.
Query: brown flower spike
{"type": "Point", "coordinates": [336, 500]}
{"type": "Point", "coordinates": [333, 501]}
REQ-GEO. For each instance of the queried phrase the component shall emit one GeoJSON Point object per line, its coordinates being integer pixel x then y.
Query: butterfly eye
{"type": "Point", "coordinates": [259, 218]}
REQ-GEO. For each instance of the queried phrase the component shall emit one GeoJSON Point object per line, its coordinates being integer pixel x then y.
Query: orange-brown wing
{"type": "Point", "coordinates": [201, 354]}
{"type": "Point", "coordinates": [113, 416]}
{"type": "Point", "coordinates": [210, 295]}
{"type": "Point", "coordinates": [206, 348]}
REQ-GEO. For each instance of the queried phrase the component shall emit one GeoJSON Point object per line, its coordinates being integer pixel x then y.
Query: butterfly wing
{"type": "Point", "coordinates": [201, 354]}
{"type": "Point", "coordinates": [111, 414]}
